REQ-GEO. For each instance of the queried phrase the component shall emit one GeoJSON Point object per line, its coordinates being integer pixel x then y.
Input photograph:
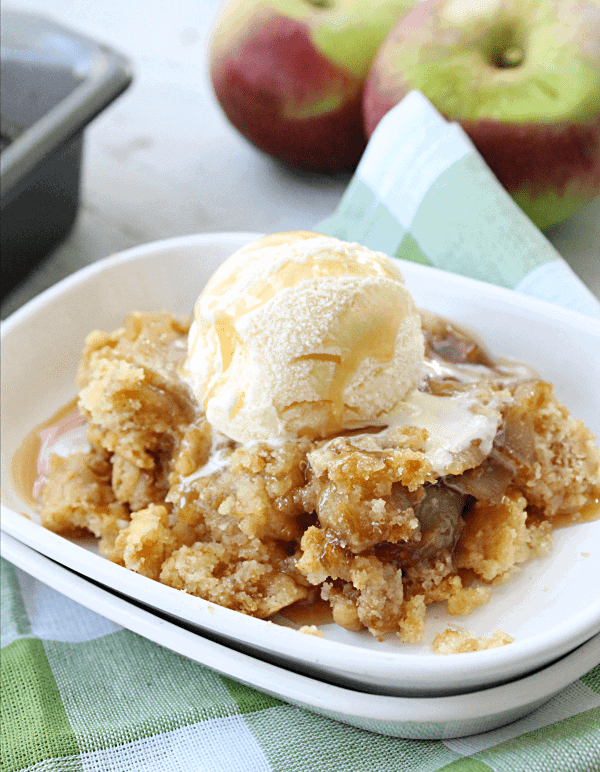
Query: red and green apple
{"type": "Point", "coordinates": [523, 79]}
{"type": "Point", "coordinates": [289, 74]}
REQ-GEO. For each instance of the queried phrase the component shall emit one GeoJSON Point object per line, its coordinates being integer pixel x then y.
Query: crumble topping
{"type": "Point", "coordinates": [374, 520]}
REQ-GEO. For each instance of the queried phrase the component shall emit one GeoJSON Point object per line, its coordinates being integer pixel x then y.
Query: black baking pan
{"type": "Point", "coordinates": [53, 82]}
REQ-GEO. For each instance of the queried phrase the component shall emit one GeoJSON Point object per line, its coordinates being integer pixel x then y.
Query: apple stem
{"type": "Point", "coordinates": [512, 57]}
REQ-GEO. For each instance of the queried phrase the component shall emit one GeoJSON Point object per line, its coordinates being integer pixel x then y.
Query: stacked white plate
{"type": "Point", "coordinates": [551, 607]}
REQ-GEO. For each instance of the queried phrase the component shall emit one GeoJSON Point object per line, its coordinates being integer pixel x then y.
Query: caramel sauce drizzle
{"type": "Point", "coordinates": [23, 469]}
{"type": "Point", "coordinates": [316, 612]}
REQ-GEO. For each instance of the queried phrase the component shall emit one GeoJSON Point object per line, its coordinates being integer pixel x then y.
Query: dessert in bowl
{"type": "Point", "coordinates": [381, 515]}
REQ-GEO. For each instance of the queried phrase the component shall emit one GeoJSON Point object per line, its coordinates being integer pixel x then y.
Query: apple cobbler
{"type": "Point", "coordinates": [371, 520]}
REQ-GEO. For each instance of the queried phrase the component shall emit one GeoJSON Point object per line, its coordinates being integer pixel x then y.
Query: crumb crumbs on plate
{"type": "Point", "coordinates": [311, 630]}
{"type": "Point", "coordinates": [457, 642]}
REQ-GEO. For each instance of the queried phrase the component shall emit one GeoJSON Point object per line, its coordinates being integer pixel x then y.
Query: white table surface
{"type": "Point", "coordinates": [163, 160]}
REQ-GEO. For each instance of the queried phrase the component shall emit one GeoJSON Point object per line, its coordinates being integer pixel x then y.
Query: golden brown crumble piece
{"type": "Point", "coordinates": [455, 642]}
{"type": "Point", "coordinates": [248, 578]}
{"type": "Point", "coordinates": [497, 537]}
{"type": "Point", "coordinates": [262, 483]}
{"type": "Point", "coordinates": [376, 588]}
{"type": "Point", "coordinates": [245, 493]}
{"type": "Point", "coordinates": [147, 541]}
{"type": "Point", "coordinates": [245, 516]}
{"type": "Point", "coordinates": [130, 392]}
{"type": "Point", "coordinates": [557, 462]}
{"type": "Point", "coordinates": [412, 622]}
{"type": "Point", "coordinates": [139, 487]}
{"type": "Point", "coordinates": [342, 598]}
{"type": "Point", "coordinates": [78, 497]}
{"type": "Point", "coordinates": [463, 601]}
{"type": "Point", "coordinates": [157, 341]}
{"type": "Point", "coordinates": [194, 449]}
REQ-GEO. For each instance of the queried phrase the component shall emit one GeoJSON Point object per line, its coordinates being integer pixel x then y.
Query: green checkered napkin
{"type": "Point", "coordinates": [80, 693]}
{"type": "Point", "coordinates": [423, 193]}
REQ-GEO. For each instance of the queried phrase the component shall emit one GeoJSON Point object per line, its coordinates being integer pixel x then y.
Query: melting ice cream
{"type": "Point", "coordinates": [300, 334]}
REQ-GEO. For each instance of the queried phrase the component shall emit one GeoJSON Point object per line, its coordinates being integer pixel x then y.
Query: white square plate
{"type": "Point", "coordinates": [551, 606]}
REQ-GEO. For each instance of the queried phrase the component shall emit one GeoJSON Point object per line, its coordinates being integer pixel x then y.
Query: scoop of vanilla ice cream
{"type": "Point", "coordinates": [303, 335]}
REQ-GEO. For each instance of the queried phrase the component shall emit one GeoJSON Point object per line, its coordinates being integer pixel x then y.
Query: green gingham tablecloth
{"type": "Point", "coordinates": [80, 694]}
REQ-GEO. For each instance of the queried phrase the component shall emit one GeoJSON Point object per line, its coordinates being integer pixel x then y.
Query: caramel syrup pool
{"type": "Point", "coordinates": [24, 462]}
